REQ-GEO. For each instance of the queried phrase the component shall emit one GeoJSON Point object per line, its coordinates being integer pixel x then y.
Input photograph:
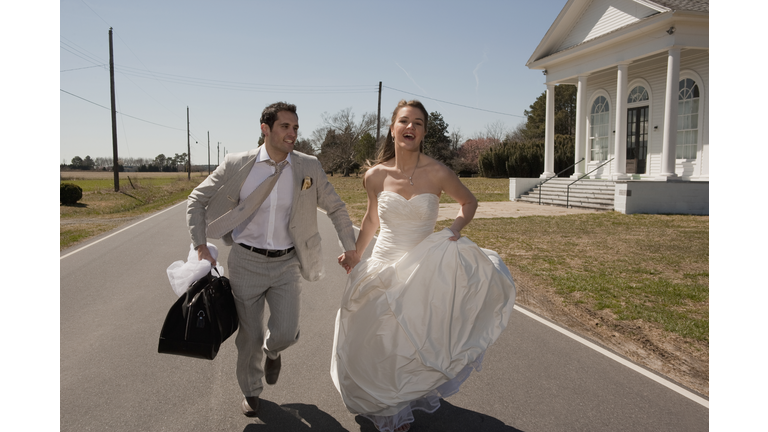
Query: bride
{"type": "Point", "coordinates": [418, 315]}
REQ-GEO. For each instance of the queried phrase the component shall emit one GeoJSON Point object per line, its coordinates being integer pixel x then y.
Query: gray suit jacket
{"type": "Point", "coordinates": [220, 192]}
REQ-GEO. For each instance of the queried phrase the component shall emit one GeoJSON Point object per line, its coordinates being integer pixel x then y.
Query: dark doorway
{"type": "Point", "coordinates": [637, 139]}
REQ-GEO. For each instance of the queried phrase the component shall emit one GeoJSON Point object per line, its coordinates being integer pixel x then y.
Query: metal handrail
{"type": "Point", "coordinates": [554, 176]}
{"type": "Point", "coordinates": [568, 189]}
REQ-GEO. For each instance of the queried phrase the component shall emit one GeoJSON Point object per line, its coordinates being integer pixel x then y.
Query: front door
{"type": "Point", "coordinates": [637, 139]}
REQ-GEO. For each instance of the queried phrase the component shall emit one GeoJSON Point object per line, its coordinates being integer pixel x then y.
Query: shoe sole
{"type": "Point", "coordinates": [248, 411]}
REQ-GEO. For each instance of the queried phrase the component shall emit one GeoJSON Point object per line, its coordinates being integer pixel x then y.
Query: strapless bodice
{"type": "Point", "coordinates": [404, 223]}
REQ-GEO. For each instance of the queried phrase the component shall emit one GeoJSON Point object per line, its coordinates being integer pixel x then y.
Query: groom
{"type": "Point", "coordinates": [274, 240]}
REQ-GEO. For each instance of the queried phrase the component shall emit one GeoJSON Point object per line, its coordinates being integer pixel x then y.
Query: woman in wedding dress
{"type": "Point", "coordinates": [417, 316]}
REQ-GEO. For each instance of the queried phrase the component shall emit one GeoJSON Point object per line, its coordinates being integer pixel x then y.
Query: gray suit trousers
{"type": "Point", "coordinates": [256, 280]}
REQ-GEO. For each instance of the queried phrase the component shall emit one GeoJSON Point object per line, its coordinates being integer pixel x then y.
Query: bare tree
{"type": "Point", "coordinates": [304, 145]}
{"type": "Point", "coordinates": [339, 139]}
{"type": "Point", "coordinates": [496, 130]}
{"type": "Point", "coordinates": [457, 139]}
{"type": "Point", "coordinates": [516, 135]}
{"type": "Point", "coordinates": [103, 162]}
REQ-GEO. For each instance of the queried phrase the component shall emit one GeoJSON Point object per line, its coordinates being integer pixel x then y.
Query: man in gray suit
{"type": "Point", "coordinates": [273, 246]}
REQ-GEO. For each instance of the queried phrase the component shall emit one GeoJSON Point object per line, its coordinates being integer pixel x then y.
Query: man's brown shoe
{"type": "Point", "coordinates": [271, 370]}
{"type": "Point", "coordinates": [250, 406]}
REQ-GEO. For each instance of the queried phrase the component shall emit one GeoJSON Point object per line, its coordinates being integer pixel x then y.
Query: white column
{"type": "Point", "coordinates": [669, 140]}
{"type": "Point", "coordinates": [581, 126]}
{"type": "Point", "coordinates": [549, 134]}
{"type": "Point", "coordinates": [620, 138]}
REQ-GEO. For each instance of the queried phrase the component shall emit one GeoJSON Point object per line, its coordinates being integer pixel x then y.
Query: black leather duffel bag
{"type": "Point", "coordinates": [200, 320]}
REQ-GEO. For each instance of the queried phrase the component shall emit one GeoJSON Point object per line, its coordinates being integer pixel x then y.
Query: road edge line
{"type": "Point", "coordinates": [118, 232]}
{"type": "Point", "coordinates": [694, 397]}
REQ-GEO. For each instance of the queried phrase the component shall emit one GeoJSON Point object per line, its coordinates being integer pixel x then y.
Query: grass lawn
{"type": "Point", "coordinates": [102, 209]}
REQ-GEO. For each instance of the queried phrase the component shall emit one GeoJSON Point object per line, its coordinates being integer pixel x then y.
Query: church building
{"type": "Point", "coordinates": [641, 69]}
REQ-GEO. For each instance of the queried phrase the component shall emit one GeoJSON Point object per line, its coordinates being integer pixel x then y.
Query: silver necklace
{"type": "Point", "coordinates": [410, 178]}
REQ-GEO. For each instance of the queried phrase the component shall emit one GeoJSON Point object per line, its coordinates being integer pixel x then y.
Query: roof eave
{"type": "Point", "coordinates": [555, 24]}
{"type": "Point", "coordinates": [613, 37]}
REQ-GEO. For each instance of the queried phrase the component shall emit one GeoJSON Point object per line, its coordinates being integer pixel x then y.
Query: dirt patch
{"type": "Point", "coordinates": [682, 360]}
{"type": "Point", "coordinates": [96, 221]}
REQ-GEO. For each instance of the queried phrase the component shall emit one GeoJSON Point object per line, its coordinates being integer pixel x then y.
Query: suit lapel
{"type": "Point", "coordinates": [298, 178]}
{"type": "Point", "coordinates": [236, 183]}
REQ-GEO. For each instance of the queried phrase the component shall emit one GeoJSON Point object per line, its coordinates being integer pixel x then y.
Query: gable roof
{"type": "Point", "coordinates": [581, 21]}
{"type": "Point", "coordinates": [684, 5]}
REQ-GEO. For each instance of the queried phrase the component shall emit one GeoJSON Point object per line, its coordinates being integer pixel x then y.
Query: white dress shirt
{"type": "Point", "coordinates": [268, 227]}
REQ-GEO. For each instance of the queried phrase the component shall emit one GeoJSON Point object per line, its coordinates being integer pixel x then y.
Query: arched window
{"type": "Point", "coordinates": [638, 94]}
{"type": "Point", "coordinates": [687, 119]}
{"type": "Point", "coordinates": [599, 128]}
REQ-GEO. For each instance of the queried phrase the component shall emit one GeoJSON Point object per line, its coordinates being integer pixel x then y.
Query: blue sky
{"type": "Point", "coordinates": [227, 60]}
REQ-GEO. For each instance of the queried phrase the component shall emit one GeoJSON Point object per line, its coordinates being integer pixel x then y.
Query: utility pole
{"type": "Point", "coordinates": [217, 153]}
{"type": "Point", "coordinates": [209, 152]}
{"type": "Point", "coordinates": [189, 152]}
{"type": "Point", "coordinates": [378, 118]}
{"type": "Point", "coordinates": [114, 114]}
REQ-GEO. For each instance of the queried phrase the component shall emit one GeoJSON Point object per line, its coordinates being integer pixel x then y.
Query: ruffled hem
{"type": "Point", "coordinates": [428, 403]}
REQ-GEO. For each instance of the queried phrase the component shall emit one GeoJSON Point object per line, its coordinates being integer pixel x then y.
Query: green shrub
{"type": "Point", "coordinates": [525, 158]}
{"type": "Point", "coordinates": [70, 193]}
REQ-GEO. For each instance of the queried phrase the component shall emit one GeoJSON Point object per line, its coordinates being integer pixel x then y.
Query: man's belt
{"type": "Point", "coordinates": [266, 252]}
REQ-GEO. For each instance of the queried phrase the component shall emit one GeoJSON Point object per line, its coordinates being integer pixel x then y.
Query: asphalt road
{"type": "Point", "coordinates": [115, 295]}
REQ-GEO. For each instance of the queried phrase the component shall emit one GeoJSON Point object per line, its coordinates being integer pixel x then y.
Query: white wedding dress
{"type": "Point", "coordinates": [417, 316]}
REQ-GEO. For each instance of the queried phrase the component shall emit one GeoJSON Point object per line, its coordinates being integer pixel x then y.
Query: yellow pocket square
{"type": "Point", "coordinates": [307, 183]}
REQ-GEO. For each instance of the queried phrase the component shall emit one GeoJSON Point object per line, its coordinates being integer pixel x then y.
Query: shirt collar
{"type": "Point", "coordinates": [263, 155]}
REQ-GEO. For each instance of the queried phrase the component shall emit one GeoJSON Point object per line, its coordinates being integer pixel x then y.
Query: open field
{"type": "Point", "coordinates": [108, 175]}
{"type": "Point", "coordinates": [102, 209]}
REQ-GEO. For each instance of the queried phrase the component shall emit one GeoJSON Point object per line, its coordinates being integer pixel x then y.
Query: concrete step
{"type": "Point", "coordinates": [589, 194]}
{"type": "Point", "coordinates": [571, 203]}
{"type": "Point", "coordinates": [563, 199]}
{"type": "Point", "coordinates": [577, 186]}
{"type": "Point", "coordinates": [582, 181]}
{"type": "Point", "coordinates": [606, 192]}
{"type": "Point", "coordinates": [571, 199]}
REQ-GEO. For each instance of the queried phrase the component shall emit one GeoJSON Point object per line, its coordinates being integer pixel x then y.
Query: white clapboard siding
{"type": "Point", "coordinates": [604, 16]}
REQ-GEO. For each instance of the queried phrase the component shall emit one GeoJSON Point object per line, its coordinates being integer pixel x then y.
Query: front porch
{"type": "Point", "coordinates": [623, 196]}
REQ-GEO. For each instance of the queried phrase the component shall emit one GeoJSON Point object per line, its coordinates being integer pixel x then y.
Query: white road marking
{"type": "Point", "coordinates": [118, 232]}
{"type": "Point", "coordinates": [612, 356]}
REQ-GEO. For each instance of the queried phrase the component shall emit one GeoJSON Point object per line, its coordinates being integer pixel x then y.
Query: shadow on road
{"type": "Point", "coordinates": [448, 418]}
{"type": "Point", "coordinates": [303, 417]}
{"type": "Point", "coordinates": [293, 417]}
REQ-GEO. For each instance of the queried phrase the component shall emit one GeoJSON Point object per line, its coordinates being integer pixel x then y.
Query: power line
{"type": "Point", "coordinates": [246, 83]}
{"type": "Point", "coordinates": [82, 56]}
{"type": "Point", "coordinates": [136, 118]}
{"type": "Point", "coordinates": [87, 67]}
{"type": "Point", "coordinates": [94, 12]}
{"type": "Point", "coordinates": [260, 88]}
{"type": "Point", "coordinates": [93, 58]}
{"type": "Point", "coordinates": [452, 103]}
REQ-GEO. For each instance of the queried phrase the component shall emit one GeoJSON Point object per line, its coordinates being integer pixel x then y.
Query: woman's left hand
{"type": "Point", "coordinates": [348, 260]}
{"type": "Point", "coordinates": [456, 235]}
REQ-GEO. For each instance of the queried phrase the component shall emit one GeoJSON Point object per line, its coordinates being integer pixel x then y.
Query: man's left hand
{"type": "Point", "coordinates": [349, 260]}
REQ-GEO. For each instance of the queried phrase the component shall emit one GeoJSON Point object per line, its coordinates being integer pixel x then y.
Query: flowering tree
{"type": "Point", "coordinates": [469, 154]}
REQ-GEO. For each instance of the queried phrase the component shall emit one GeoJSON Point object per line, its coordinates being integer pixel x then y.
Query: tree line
{"type": "Point", "coordinates": [160, 163]}
{"type": "Point", "coordinates": [344, 143]}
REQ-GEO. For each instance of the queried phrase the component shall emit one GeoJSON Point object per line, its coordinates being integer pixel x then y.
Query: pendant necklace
{"type": "Point", "coordinates": [410, 179]}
